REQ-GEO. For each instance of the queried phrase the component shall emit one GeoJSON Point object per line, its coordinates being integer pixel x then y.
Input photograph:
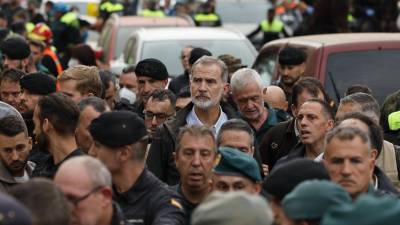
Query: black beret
{"type": "Point", "coordinates": [292, 56]}
{"type": "Point", "coordinates": [197, 53]}
{"type": "Point", "coordinates": [285, 177]}
{"type": "Point", "coordinates": [117, 128]}
{"type": "Point", "coordinates": [38, 83]}
{"type": "Point", "coordinates": [15, 48]}
{"type": "Point", "coordinates": [153, 68]}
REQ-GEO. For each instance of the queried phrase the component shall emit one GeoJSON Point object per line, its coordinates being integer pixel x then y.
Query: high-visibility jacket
{"type": "Point", "coordinates": [111, 7]}
{"type": "Point", "coordinates": [70, 18]}
{"type": "Point", "coordinates": [201, 17]}
{"type": "Point", "coordinates": [276, 26]}
{"type": "Point", "coordinates": [152, 13]}
{"type": "Point", "coordinates": [49, 52]}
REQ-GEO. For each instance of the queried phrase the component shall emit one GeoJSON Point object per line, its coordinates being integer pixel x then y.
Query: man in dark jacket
{"type": "Point", "coordinates": [284, 136]}
{"type": "Point", "coordinates": [182, 80]}
{"type": "Point", "coordinates": [120, 142]}
{"type": "Point", "coordinates": [314, 119]}
{"type": "Point", "coordinates": [151, 75]}
{"type": "Point", "coordinates": [207, 84]}
{"type": "Point", "coordinates": [247, 88]}
{"type": "Point", "coordinates": [55, 117]}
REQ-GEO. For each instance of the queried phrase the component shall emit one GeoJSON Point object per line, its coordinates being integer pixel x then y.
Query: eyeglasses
{"type": "Point", "coordinates": [76, 200]}
{"type": "Point", "coordinates": [159, 116]}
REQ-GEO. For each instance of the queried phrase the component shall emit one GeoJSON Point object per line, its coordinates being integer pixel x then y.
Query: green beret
{"type": "Point", "coordinates": [311, 199]}
{"type": "Point", "coordinates": [367, 210]}
{"type": "Point", "coordinates": [232, 208]}
{"type": "Point", "coordinates": [117, 128]}
{"type": "Point", "coordinates": [236, 163]}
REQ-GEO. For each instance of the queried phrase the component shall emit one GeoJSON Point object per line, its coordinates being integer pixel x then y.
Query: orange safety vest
{"type": "Point", "coordinates": [49, 52]}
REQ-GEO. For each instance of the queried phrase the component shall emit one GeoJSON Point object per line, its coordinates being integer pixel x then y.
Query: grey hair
{"type": "Point", "coordinates": [368, 104]}
{"type": "Point", "coordinates": [209, 60]}
{"type": "Point", "coordinates": [236, 125]}
{"type": "Point", "coordinates": [98, 104]}
{"type": "Point", "coordinates": [97, 171]}
{"type": "Point", "coordinates": [243, 77]}
{"type": "Point", "coordinates": [348, 133]}
{"type": "Point", "coordinates": [196, 131]}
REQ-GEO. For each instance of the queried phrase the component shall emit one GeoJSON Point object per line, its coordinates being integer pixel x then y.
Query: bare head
{"type": "Point", "coordinates": [275, 97]}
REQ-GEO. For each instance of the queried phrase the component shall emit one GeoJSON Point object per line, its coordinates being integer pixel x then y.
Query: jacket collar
{"type": "Point", "coordinates": [180, 118]}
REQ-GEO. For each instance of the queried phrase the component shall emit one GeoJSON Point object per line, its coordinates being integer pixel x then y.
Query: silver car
{"type": "Point", "coordinates": [166, 44]}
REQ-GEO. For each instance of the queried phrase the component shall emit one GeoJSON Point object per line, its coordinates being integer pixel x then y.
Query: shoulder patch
{"type": "Point", "coordinates": [176, 204]}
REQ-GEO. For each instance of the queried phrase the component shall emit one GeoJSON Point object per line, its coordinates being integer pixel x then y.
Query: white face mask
{"type": "Point", "coordinates": [73, 62]}
{"type": "Point", "coordinates": [127, 94]}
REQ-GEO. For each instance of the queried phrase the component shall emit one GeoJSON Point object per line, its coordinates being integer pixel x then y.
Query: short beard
{"type": "Point", "coordinates": [42, 142]}
{"type": "Point", "coordinates": [203, 104]}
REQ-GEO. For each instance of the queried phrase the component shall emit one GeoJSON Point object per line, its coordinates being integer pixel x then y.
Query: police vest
{"type": "Point", "coordinates": [110, 7]}
{"type": "Point", "coordinates": [53, 56]}
{"type": "Point", "coordinates": [201, 17]}
{"type": "Point", "coordinates": [276, 26]}
{"type": "Point", "coordinates": [152, 13]}
{"type": "Point", "coordinates": [71, 19]}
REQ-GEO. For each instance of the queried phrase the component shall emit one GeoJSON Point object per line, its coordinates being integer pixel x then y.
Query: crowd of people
{"type": "Point", "coordinates": [80, 145]}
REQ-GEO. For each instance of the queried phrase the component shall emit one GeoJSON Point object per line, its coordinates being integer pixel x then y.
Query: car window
{"type": "Point", "coordinates": [265, 64]}
{"type": "Point", "coordinates": [130, 59]}
{"type": "Point", "coordinates": [169, 51]}
{"type": "Point", "coordinates": [122, 37]}
{"type": "Point", "coordinates": [105, 39]}
{"type": "Point", "coordinates": [378, 69]}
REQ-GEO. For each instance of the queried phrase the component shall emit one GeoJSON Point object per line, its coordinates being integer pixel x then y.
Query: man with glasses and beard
{"type": "Point", "coordinates": [16, 52]}
{"type": "Point", "coordinates": [208, 82]}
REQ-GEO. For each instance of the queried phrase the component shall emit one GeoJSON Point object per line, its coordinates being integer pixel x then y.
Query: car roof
{"type": "Point", "coordinates": [152, 21]}
{"type": "Point", "coordinates": [192, 33]}
{"type": "Point", "coordinates": [338, 39]}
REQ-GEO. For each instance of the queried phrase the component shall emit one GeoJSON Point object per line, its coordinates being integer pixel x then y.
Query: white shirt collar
{"type": "Point", "coordinates": [192, 119]}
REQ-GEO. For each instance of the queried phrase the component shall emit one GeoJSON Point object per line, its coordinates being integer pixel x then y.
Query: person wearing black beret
{"type": "Point", "coordinates": [33, 86]}
{"type": "Point", "coordinates": [120, 142]}
{"type": "Point", "coordinates": [16, 52]}
{"type": "Point", "coordinates": [292, 65]}
{"type": "Point", "coordinates": [151, 75]}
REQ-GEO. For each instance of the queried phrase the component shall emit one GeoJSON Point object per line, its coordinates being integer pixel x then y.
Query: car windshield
{"type": "Point", "coordinates": [242, 11]}
{"type": "Point", "coordinates": [169, 51]}
{"type": "Point", "coordinates": [122, 37]}
{"type": "Point", "coordinates": [378, 69]}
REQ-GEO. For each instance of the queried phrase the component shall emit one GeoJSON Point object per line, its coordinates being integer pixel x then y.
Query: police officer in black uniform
{"type": "Point", "coordinates": [120, 141]}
